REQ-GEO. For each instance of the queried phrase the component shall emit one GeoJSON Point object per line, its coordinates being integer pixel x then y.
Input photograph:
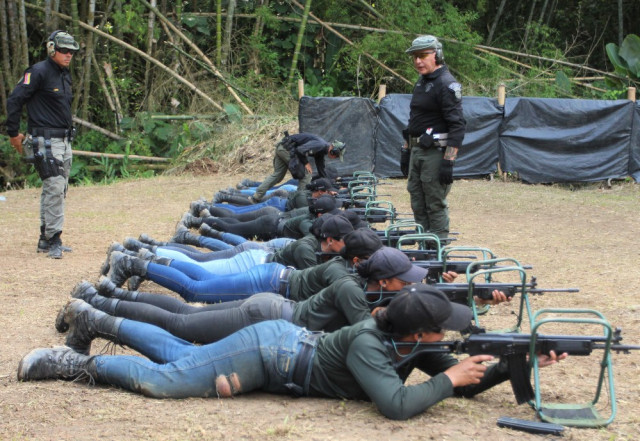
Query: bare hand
{"type": "Point", "coordinates": [307, 167]}
{"type": "Point", "coordinates": [16, 142]}
{"type": "Point", "coordinates": [552, 358]}
{"type": "Point", "coordinates": [498, 297]}
{"type": "Point", "coordinates": [449, 276]}
{"type": "Point", "coordinates": [468, 371]}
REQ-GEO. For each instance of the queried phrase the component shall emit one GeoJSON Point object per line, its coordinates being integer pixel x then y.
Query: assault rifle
{"type": "Point", "coordinates": [459, 292]}
{"type": "Point", "coordinates": [514, 349]}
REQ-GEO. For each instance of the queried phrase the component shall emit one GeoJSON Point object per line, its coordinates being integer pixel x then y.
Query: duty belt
{"type": "Point", "coordinates": [439, 140]}
{"type": "Point", "coordinates": [283, 281]}
{"type": "Point", "coordinates": [53, 133]}
{"type": "Point", "coordinates": [299, 384]}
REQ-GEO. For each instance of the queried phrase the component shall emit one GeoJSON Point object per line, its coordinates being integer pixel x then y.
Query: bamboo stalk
{"type": "Point", "coordinates": [119, 156]}
{"type": "Point", "coordinates": [199, 52]}
{"type": "Point", "coordinates": [301, 30]}
{"type": "Point", "coordinates": [97, 128]}
{"type": "Point", "coordinates": [349, 42]}
{"type": "Point", "coordinates": [137, 51]}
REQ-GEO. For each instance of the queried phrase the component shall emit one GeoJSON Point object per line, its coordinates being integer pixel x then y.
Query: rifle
{"type": "Point", "coordinates": [514, 349]}
{"type": "Point", "coordinates": [459, 292]}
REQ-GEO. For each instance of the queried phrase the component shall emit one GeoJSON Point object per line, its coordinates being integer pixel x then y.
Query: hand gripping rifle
{"type": "Point", "coordinates": [514, 348]}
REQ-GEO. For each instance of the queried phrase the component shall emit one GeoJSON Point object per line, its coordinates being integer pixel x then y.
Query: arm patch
{"type": "Point", "coordinates": [456, 88]}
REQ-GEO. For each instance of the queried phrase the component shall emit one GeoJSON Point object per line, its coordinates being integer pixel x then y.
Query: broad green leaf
{"type": "Point", "coordinates": [619, 65]}
{"type": "Point", "coordinates": [630, 52]}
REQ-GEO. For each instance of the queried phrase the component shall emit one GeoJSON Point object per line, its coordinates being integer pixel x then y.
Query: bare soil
{"type": "Point", "coordinates": [585, 237]}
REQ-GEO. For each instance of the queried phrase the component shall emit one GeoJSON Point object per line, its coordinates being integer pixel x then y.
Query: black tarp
{"type": "Point", "coordinates": [634, 154]}
{"type": "Point", "coordinates": [542, 139]}
{"type": "Point", "coordinates": [565, 140]}
{"type": "Point", "coordinates": [350, 120]}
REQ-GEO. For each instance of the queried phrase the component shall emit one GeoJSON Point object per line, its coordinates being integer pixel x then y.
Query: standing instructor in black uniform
{"type": "Point", "coordinates": [45, 89]}
{"type": "Point", "coordinates": [433, 136]}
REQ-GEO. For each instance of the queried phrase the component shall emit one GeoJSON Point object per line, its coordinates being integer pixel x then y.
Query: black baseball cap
{"type": "Point", "coordinates": [388, 262]}
{"type": "Point", "coordinates": [320, 184]}
{"type": "Point", "coordinates": [421, 307]}
{"type": "Point", "coordinates": [362, 242]}
{"type": "Point", "coordinates": [335, 226]}
{"type": "Point", "coordinates": [325, 204]}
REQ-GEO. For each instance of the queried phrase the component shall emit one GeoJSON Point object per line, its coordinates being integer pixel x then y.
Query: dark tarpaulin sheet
{"type": "Point", "coordinates": [634, 156]}
{"type": "Point", "coordinates": [350, 120]}
{"type": "Point", "coordinates": [565, 140]}
{"type": "Point", "coordinates": [478, 154]}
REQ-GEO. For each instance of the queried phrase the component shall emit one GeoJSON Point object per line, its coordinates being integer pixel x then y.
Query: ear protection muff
{"type": "Point", "coordinates": [439, 53]}
{"type": "Point", "coordinates": [51, 45]}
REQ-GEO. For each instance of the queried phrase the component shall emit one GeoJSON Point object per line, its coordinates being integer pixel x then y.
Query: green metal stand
{"type": "Point", "coordinates": [576, 414]}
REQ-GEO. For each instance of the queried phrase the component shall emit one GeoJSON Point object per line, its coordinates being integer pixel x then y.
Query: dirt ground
{"type": "Point", "coordinates": [585, 237]}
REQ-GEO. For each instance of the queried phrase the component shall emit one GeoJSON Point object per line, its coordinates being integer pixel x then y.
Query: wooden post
{"type": "Point", "coordinates": [631, 94]}
{"type": "Point", "coordinates": [502, 95]}
{"type": "Point", "coordinates": [300, 88]}
{"type": "Point", "coordinates": [382, 92]}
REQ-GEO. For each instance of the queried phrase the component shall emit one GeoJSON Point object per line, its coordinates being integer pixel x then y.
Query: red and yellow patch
{"type": "Point", "coordinates": [27, 78]}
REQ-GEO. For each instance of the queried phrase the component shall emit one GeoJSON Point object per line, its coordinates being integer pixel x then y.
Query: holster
{"type": "Point", "coordinates": [45, 164]}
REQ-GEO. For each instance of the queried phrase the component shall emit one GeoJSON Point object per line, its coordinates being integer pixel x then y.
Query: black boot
{"type": "Point", "coordinates": [197, 206]}
{"type": "Point", "coordinates": [149, 240]}
{"type": "Point", "coordinates": [87, 323]}
{"type": "Point", "coordinates": [55, 246]}
{"type": "Point", "coordinates": [189, 221]}
{"type": "Point", "coordinates": [208, 231]}
{"type": "Point", "coordinates": [108, 289]}
{"type": "Point", "coordinates": [51, 363]}
{"type": "Point", "coordinates": [123, 266]}
{"type": "Point", "coordinates": [87, 292]}
{"type": "Point", "coordinates": [43, 242]}
{"type": "Point", "coordinates": [185, 237]}
{"type": "Point", "coordinates": [83, 290]}
{"type": "Point", "coordinates": [135, 245]}
{"type": "Point", "coordinates": [115, 246]}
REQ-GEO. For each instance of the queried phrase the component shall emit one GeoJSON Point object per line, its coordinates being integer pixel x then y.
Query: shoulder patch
{"type": "Point", "coordinates": [27, 78]}
{"type": "Point", "coordinates": [456, 88]}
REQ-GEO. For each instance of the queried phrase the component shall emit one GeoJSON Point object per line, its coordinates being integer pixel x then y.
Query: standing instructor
{"type": "Point", "coordinates": [45, 89]}
{"type": "Point", "coordinates": [433, 136]}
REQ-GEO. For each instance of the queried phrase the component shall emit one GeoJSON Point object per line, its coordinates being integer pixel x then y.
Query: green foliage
{"type": "Point", "coordinates": [625, 60]}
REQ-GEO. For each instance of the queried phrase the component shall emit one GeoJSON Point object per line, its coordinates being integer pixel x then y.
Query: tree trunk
{"type": "Point", "coordinates": [527, 27]}
{"type": "Point", "coordinates": [150, 46]}
{"type": "Point", "coordinates": [86, 92]}
{"type": "Point", "coordinates": [24, 39]}
{"type": "Point", "coordinates": [218, 32]}
{"type": "Point", "coordinates": [620, 24]}
{"type": "Point", "coordinates": [254, 57]}
{"type": "Point", "coordinates": [10, 79]}
{"type": "Point", "coordinates": [14, 43]}
{"type": "Point", "coordinates": [228, 28]}
{"type": "Point", "coordinates": [495, 22]}
{"type": "Point", "coordinates": [296, 52]}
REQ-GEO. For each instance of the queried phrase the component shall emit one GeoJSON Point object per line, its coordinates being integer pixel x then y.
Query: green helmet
{"type": "Point", "coordinates": [62, 39]}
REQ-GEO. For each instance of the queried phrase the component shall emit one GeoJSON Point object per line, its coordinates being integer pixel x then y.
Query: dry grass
{"type": "Point", "coordinates": [586, 238]}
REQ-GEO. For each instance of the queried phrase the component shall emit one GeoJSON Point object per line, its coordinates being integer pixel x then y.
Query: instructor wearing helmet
{"type": "Point", "coordinates": [45, 88]}
{"type": "Point", "coordinates": [433, 136]}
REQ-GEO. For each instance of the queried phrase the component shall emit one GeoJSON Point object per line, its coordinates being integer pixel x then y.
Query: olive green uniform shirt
{"type": "Point", "coordinates": [305, 283]}
{"type": "Point", "coordinates": [355, 363]}
{"type": "Point", "coordinates": [300, 254]}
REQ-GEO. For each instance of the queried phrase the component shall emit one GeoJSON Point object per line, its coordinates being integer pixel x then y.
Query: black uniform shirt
{"type": "Point", "coordinates": [307, 145]}
{"type": "Point", "coordinates": [437, 103]}
{"type": "Point", "coordinates": [45, 88]}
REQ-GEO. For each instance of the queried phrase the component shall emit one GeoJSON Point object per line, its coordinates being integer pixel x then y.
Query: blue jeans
{"type": "Point", "coordinates": [279, 203]}
{"type": "Point", "coordinates": [221, 288]}
{"type": "Point", "coordinates": [235, 264]}
{"type": "Point", "coordinates": [263, 357]}
{"type": "Point", "coordinates": [193, 255]}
